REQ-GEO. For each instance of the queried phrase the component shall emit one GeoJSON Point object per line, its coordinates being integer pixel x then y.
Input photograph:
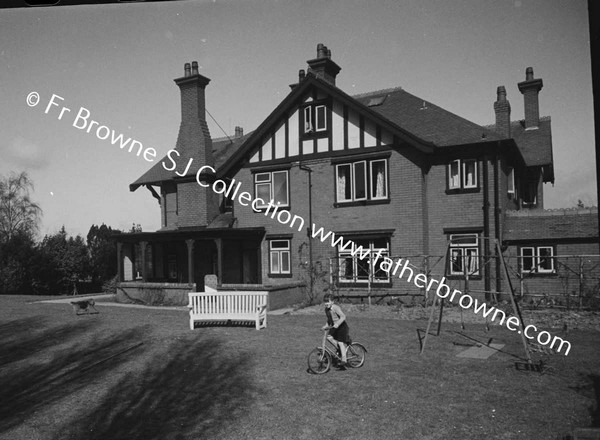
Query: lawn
{"type": "Point", "coordinates": [134, 373]}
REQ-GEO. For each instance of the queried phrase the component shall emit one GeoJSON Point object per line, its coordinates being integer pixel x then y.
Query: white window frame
{"type": "Point", "coordinates": [511, 188]}
{"type": "Point", "coordinates": [269, 181]}
{"type": "Point", "coordinates": [308, 125]}
{"type": "Point", "coordinates": [345, 255]}
{"type": "Point", "coordinates": [385, 178]}
{"type": "Point", "coordinates": [317, 109]}
{"type": "Point", "coordinates": [454, 177]}
{"type": "Point", "coordinates": [369, 189]}
{"type": "Point", "coordinates": [458, 178]}
{"type": "Point", "coordinates": [462, 250]}
{"type": "Point", "coordinates": [536, 259]}
{"type": "Point", "coordinates": [465, 174]}
{"type": "Point", "coordinates": [278, 253]}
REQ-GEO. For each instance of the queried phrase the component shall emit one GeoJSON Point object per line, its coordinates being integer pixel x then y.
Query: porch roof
{"type": "Point", "coordinates": [194, 233]}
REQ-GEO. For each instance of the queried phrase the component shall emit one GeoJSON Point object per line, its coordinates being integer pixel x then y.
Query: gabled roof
{"type": "Point", "coordinates": [290, 101]}
{"type": "Point", "coordinates": [426, 120]}
{"type": "Point", "coordinates": [222, 149]}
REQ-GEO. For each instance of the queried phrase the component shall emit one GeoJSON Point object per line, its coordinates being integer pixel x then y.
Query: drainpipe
{"type": "Point", "coordinates": [310, 222]}
{"type": "Point", "coordinates": [497, 217]}
{"type": "Point", "coordinates": [486, 227]}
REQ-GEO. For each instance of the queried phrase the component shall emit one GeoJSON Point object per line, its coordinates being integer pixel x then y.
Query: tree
{"type": "Point", "coordinates": [18, 213]}
{"type": "Point", "coordinates": [61, 262]}
{"type": "Point", "coordinates": [16, 256]}
{"type": "Point", "coordinates": [103, 252]}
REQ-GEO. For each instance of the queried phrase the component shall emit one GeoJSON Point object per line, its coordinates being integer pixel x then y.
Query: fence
{"type": "Point", "coordinates": [571, 281]}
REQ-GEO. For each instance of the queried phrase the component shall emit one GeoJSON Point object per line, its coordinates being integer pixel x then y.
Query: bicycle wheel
{"type": "Point", "coordinates": [319, 361]}
{"type": "Point", "coordinates": [356, 355]}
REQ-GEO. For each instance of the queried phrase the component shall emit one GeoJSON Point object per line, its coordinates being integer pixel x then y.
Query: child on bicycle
{"type": "Point", "coordinates": [339, 332]}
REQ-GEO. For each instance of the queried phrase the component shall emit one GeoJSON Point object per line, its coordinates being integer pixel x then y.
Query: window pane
{"type": "Point", "coordinates": [545, 262]}
{"type": "Point", "coordinates": [463, 239]}
{"type": "Point", "coordinates": [362, 268]}
{"type": "Point", "coordinates": [360, 184]}
{"type": "Point", "coordinates": [274, 262]}
{"type": "Point", "coordinates": [511, 181]}
{"type": "Point", "coordinates": [263, 191]}
{"type": "Point", "coordinates": [346, 269]}
{"type": "Point", "coordinates": [378, 179]}
{"type": "Point", "coordinates": [380, 243]}
{"type": "Point", "coordinates": [454, 174]}
{"type": "Point", "coordinates": [344, 183]}
{"type": "Point", "coordinates": [285, 262]}
{"type": "Point", "coordinates": [280, 188]}
{"type": "Point", "coordinates": [527, 259]}
{"type": "Point", "coordinates": [470, 174]}
{"type": "Point", "coordinates": [262, 177]}
{"type": "Point", "coordinates": [280, 244]}
{"type": "Point", "coordinates": [456, 261]}
{"type": "Point", "coordinates": [321, 121]}
{"type": "Point", "coordinates": [472, 260]}
{"type": "Point", "coordinates": [379, 273]}
{"type": "Point", "coordinates": [307, 120]}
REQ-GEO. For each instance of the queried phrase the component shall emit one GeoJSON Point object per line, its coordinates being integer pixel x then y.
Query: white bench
{"type": "Point", "coordinates": [228, 306]}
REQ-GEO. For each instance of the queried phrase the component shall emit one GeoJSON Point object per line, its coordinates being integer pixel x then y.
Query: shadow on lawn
{"type": "Point", "coordinates": [190, 390]}
{"type": "Point", "coordinates": [41, 364]}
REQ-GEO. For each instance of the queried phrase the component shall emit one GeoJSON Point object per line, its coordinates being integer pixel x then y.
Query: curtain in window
{"type": "Point", "coordinates": [380, 187]}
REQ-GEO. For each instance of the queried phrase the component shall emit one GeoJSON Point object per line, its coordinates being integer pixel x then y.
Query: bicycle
{"type": "Point", "coordinates": [322, 358]}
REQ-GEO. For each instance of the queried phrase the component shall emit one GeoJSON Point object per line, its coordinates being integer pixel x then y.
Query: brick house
{"type": "Point", "coordinates": [394, 173]}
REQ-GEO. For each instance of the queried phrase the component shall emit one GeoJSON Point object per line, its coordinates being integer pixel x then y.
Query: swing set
{"type": "Point", "coordinates": [470, 267]}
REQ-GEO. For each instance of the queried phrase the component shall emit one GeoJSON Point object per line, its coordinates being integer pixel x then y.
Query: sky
{"type": "Point", "coordinates": [118, 62]}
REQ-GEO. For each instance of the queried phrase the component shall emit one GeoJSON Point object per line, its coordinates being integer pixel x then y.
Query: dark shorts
{"type": "Point", "coordinates": [341, 334]}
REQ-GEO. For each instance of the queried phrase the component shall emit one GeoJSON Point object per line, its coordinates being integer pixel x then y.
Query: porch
{"type": "Point", "coordinates": [172, 263]}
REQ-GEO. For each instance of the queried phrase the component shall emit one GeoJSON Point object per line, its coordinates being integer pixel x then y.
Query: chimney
{"type": "Point", "coordinates": [322, 66]}
{"type": "Point", "coordinates": [530, 88]}
{"type": "Point", "coordinates": [194, 137]}
{"type": "Point", "coordinates": [502, 110]}
{"type": "Point", "coordinates": [194, 144]}
{"type": "Point", "coordinates": [239, 132]}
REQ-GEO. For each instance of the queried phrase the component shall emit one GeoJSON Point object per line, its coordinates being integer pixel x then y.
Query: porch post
{"type": "Point", "coordinates": [190, 248]}
{"type": "Point", "coordinates": [143, 262]}
{"type": "Point", "coordinates": [219, 243]}
{"type": "Point", "coordinates": [120, 261]}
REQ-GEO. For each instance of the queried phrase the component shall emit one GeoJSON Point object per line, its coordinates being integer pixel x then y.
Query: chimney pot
{"type": "Point", "coordinates": [239, 132]}
{"type": "Point", "coordinates": [501, 93]}
{"type": "Point", "coordinates": [321, 50]}
{"type": "Point", "coordinates": [529, 74]}
{"type": "Point", "coordinates": [194, 67]}
{"type": "Point", "coordinates": [301, 74]}
{"type": "Point", "coordinates": [186, 69]}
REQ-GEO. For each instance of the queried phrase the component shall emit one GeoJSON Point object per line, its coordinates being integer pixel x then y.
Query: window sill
{"type": "Point", "coordinates": [365, 284]}
{"type": "Point", "coordinates": [462, 277]}
{"type": "Point", "coordinates": [462, 191]}
{"type": "Point", "coordinates": [279, 275]}
{"type": "Point", "coordinates": [279, 208]}
{"type": "Point", "coordinates": [361, 203]}
{"type": "Point", "coordinates": [527, 275]}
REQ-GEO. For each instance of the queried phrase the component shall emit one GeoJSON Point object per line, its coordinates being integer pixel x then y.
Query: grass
{"type": "Point", "coordinates": [131, 373]}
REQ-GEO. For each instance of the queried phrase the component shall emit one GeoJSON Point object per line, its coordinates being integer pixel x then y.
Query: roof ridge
{"type": "Point", "coordinates": [377, 92]}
